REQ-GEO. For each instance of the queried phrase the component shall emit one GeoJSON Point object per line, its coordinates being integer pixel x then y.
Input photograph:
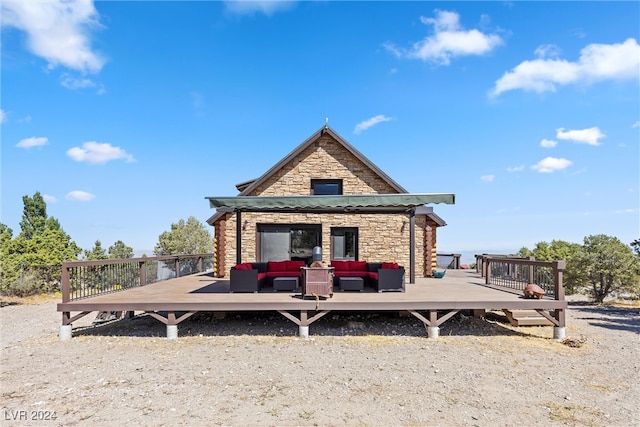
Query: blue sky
{"type": "Point", "coordinates": [126, 115]}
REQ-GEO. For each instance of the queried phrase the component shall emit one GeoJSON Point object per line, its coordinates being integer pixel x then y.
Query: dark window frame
{"type": "Point", "coordinates": [315, 182]}
{"type": "Point", "coordinates": [342, 231]}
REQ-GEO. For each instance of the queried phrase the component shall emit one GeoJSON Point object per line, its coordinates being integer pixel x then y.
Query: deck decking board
{"type": "Point", "coordinates": [458, 290]}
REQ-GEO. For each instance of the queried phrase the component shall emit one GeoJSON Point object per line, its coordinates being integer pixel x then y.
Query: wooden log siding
{"type": "Point", "coordinates": [431, 259]}
{"type": "Point", "coordinates": [434, 245]}
{"type": "Point", "coordinates": [428, 250]}
{"type": "Point", "coordinates": [220, 251]}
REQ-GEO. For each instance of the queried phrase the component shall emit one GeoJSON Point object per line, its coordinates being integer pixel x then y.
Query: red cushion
{"type": "Point", "coordinates": [245, 266]}
{"type": "Point", "coordinates": [294, 265]}
{"type": "Point", "coordinates": [340, 265]}
{"type": "Point", "coordinates": [358, 265]}
{"type": "Point", "coordinates": [262, 276]}
{"type": "Point", "coordinates": [390, 265]}
{"type": "Point", "coordinates": [373, 275]}
{"type": "Point", "coordinates": [277, 266]}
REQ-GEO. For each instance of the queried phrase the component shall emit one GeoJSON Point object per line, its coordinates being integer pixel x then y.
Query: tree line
{"type": "Point", "coordinates": [601, 266]}
{"type": "Point", "coordinates": [30, 262]}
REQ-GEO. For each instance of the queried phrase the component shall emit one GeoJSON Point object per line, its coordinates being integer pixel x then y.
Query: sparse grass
{"type": "Point", "coordinates": [610, 387]}
{"type": "Point", "coordinates": [601, 387]}
{"type": "Point", "coordinates": [30, 300]}
{"type": "Point", "coordinates": [573, 414]}
{"type": "Point", "coordinates": [306, 415]}
{"type": "Point", "coordinates": [625, 303]}
{"type": "Point", "coordinates": [274, 412]}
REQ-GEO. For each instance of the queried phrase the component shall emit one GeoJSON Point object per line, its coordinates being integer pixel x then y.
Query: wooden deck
{"type": "Point", "coordinates": [433, 301]}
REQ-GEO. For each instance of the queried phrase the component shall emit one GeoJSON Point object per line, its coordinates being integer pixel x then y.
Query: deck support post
{"type": "Point", "coordinates": [433, 332]}
{"type": "Point", "coordinates": [65, 332]}
{"type": "Point", "coordinates": [559, 333]}
{"type": "Point", "coordinates": [303, 326]}
{"type": "Point", "coordinates": [172, 332]}
{"type": "Point", "coordinates": [303, 332]}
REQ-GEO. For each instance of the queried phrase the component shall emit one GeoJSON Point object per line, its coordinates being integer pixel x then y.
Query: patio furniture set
{"type": "Point", "coordinates": [290, 275]}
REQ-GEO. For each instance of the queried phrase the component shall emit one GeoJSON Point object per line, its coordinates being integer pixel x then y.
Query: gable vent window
{"type": "Point", "coordinates": [326, 187]}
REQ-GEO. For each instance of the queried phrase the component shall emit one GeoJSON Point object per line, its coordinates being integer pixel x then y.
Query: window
{"type": "Point", "coordinates": [326, 187]}
{"type": "Point", "coordinates": [288, 241]}
{"type": "Point", "coordinates": [344, 243]}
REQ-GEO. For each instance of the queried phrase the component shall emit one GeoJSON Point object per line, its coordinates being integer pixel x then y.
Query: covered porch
{"type": "Point", "coordinates": [405, 205]}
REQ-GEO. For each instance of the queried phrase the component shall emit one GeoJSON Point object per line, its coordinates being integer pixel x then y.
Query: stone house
{"type": "Point", "coordinates": [326, 193]}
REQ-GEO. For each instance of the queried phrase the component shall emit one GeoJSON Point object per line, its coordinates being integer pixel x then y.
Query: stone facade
{"type": "Point", "coordinates": [381, 237]}
{"type": "Point", "coordinates": [324, 159]}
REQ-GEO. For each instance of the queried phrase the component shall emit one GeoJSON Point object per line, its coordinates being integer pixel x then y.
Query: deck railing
{"type": "Point", "coordinates": [480, 260]}
{"type": "Point", "coordinates": [83, 279]}
{"type": "Point", "coordinates": [516, 273]}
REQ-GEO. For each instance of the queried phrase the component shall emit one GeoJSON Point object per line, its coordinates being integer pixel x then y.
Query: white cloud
{"type": "Point", "coordinates": [448, 40]}
{"type": "Point", "coordinates": [49, 199]}
{"type": "Point", "coordinates": [75, 83]}
{"type": "Point", "coordinates": [636, 124]}
{"type": "Point", "coordinates": [547, 51]}
{"type": "Point", "coordinates": [548, 143]}
{"type": "Point", "coordinates": [79, 196]}
{"type": "Point", "coordinates": [96, 152]}
{"type": "Point", "coordinates": [32, 142]}
{"type": "Point", "coordinates": [515, 168]}
{"type": "Point", "coordinates": [597, 62]}
{"type": "Point", "coordinates": [57, 31]}
{"type": "Point", "coordinates": [487, 178]}
{"type": "Point", "coordinates": [551, 164]}
{"type": "Point", "coordinates": [588, 136]}
{"type": "Point", "coordinates": [3, 116]}
{"type": "Point", "coordinates": [364, 125]}
{"type": "Point", "coordinates": [248, 7]}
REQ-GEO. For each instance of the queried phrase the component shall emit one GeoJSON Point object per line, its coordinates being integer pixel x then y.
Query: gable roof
{"type": "Point", "coordinates": [247, 187]}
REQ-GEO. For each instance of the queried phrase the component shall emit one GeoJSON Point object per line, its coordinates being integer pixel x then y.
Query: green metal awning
{"type": "Point", "coordinates": [358, 203]}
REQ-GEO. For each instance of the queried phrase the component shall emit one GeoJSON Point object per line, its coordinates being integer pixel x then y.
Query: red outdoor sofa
{"type": "Point", "coordinates": [253, 276]}
{"type": "Point", "coordinates": [382, 276]}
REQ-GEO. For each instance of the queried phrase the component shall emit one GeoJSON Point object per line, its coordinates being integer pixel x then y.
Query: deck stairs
{"type": "Point", "coordinates": [526, 318]}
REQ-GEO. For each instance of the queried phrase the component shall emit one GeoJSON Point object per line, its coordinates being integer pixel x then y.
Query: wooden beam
{"type": "Point", "coordinates": [238, 237]}
{"type": "Point", "coordinates": [412, 246]}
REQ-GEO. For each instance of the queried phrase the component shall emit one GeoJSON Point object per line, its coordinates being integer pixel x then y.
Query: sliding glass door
{"type": "Point", "coordinates": [289, 241]}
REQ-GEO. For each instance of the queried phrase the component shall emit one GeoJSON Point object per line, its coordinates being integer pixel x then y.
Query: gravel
{"type": "Point", "coordinates": [355, 369]}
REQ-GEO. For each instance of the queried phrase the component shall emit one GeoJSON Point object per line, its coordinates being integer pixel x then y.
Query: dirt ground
{"type": "Point", "coordinates": [362, 370]}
